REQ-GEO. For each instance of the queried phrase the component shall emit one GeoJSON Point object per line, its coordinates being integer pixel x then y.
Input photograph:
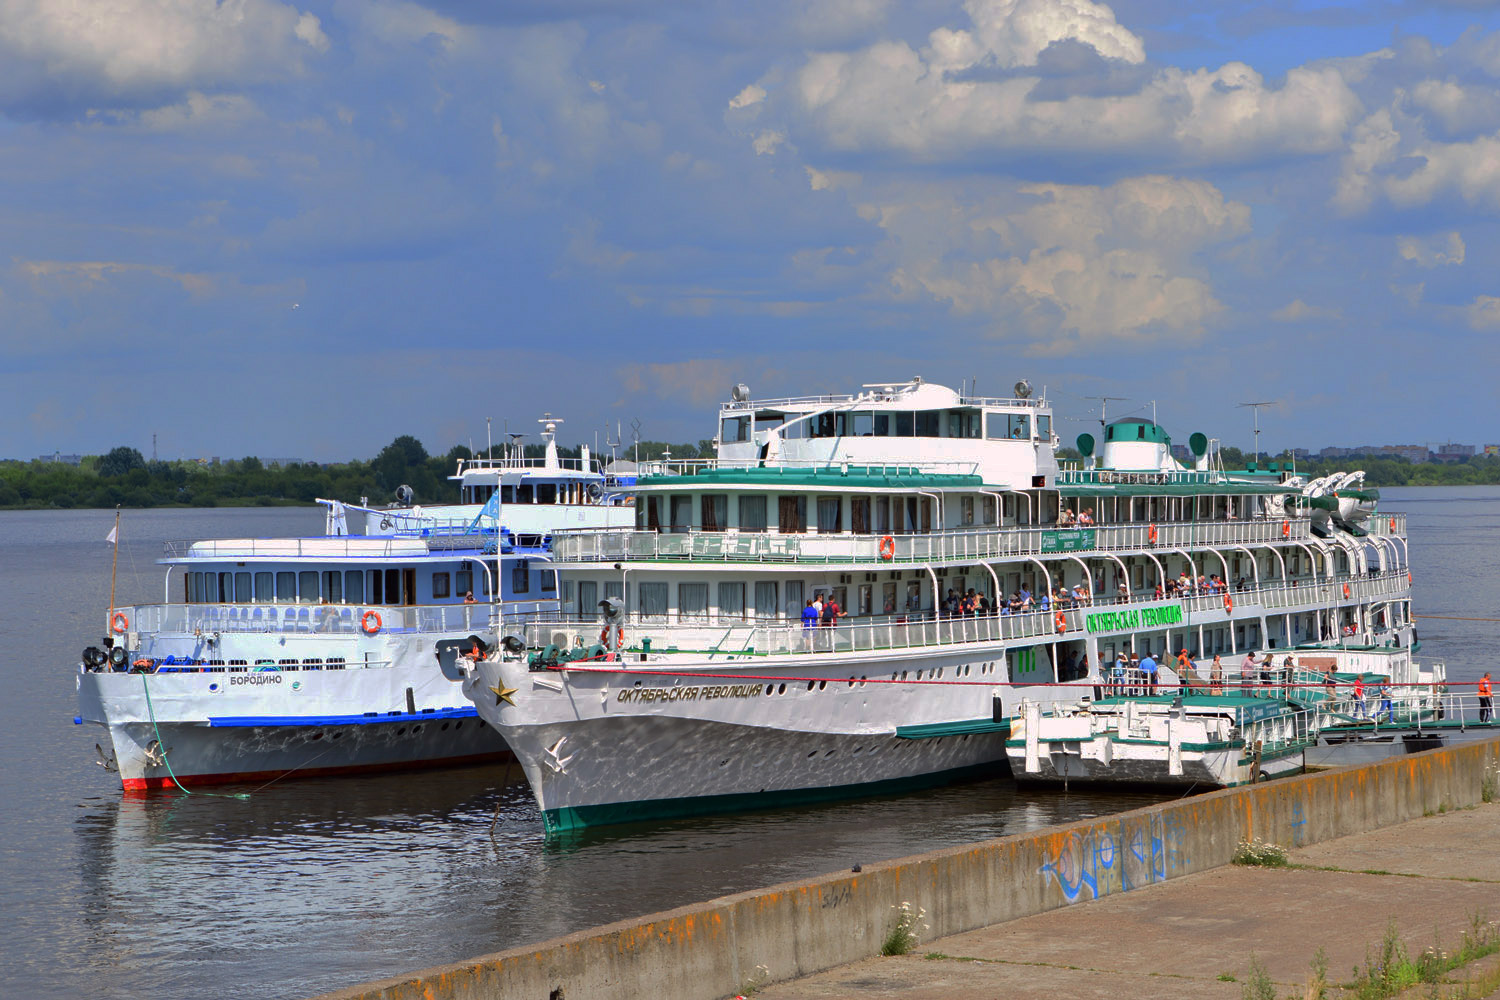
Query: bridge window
{"type": "Point", "coordinates": [735, 429]}
{"type": "Point", "coordinates": [929, 423]}
{"type": "Point", "coordinates": [905, 424]}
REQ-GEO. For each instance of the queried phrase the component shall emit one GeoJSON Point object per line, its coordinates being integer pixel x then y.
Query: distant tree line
{"type": "Point", "coordinates": [125, 478]}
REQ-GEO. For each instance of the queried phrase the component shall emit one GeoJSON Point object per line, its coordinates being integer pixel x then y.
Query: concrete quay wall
{"type": "Point", "coordinates": [718, 948]}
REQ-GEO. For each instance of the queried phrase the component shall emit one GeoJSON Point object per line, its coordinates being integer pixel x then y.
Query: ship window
{"type": "Point", "coordinates": [653, 598]}
{"type": "Point", "coordinates": [507, 494]}
{"type": "Point", "coordinates": [905, 423]}
{"type": "Point", "coordinates": [882, 425]}
{"type": "Point", "coordinates": [307, 586]}
{"type": "Point", "coordinates": [995, 426]}
{"type": "Point", "coordinates": [882, 515]}
{"type": "Point", "coordinates": [1140, 432]}
{"type": "Point", "coordinates": [1043, 426]}
{"type": "Point", "coordinates": [1020, 426]}
{"type": "Point", "coordinates": [333, 586]}
{"type": "Point", "coordinates": [830, 515]}
{"type": "Point", "coordinates": [682, 513]}
{"type": "Point", "coordinates": [859, 515]}
{"type": "Point", "coordinates": [242, 588]}
{"type": "Point", "coordinates": [732, 600]}
{"type": "Point", "coordinates": [549, 581]}
{"type": "Point", "coordinates": [715, 510]}
{"type": "Point", "coordinates": [752, 513]}
{"type": "Point", "coordinates": [463, 582]}
{"type": "Point", "coordinates": [484, 583]}
{"type": "Point", "coordinates": [393, 586]}
{"type": "Point", "coordinates": [929, 423]}
{"type": "Point", "coordinates": [966, 510]}
{"type": "Point", "coordinates": [354, 586]}
{"type": "Point", "coordinates": [377, 587]}
{"type": "Point", "coordinates": [226, 587]}
{"type": "Point", "coordinates": [286, 587]}
{"type": "Point", "coordinates": [520, 579]}
{"type": "Point", "coordinates": [822, 425]}
{"type": "Point", "coordinates": [692, 601]}
{"type": "Point", "coordinates": [861, 424]}
{"type": "Point", "coordinates": [793, 595]}
{"type": "Point", "coordinates": [735, 429]}
{"type": "Point", "coordinates": [265, 592]}
{"type": "Point", "coordinates": [546, 493]}
{"type": "Point", "coordinates": [588, 597]}
{"type": "Point", "coordinates": [765, 599]}
{"type": "Point", "coordinates": [793, 515]}
{"type": "Point", "coordinates": [524, 493]}
{"type": "Point", "coordinates": [440, 585]}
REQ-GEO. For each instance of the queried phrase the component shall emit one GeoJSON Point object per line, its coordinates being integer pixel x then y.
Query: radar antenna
{"type": "Point", "coordinates": [1255, 408]}
{"type": "Point", "coordinates": [1104, 402]}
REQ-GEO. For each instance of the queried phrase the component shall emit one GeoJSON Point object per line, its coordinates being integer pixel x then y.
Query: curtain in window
{"type": "Point", "coordinates": [752, 513]}
{"type": "Point", "coordinates": [692, 601]}
{"type": "Point", "coordinates": [653, 601]}
{"type": "Point", "coordinates": [830, 520]}
{"type": "Point", "coordinates": [859, 515]}
{"type": "Point", "coordinates": [732, 600]}
{"type": "Point", "coordinates": [682, 514]}
{"type": "Point", "coordinates": [715, 509]}
{"type": "Point", "coordinates": [793, 515]}
{"type": "Point", "coordinates": [765, 599]}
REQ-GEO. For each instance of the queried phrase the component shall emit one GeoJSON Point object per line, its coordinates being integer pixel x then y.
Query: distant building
{"type": "Point", "coordinates": [60, 458]}
{"type": "Point", "coordinates": [282, 462]}
{"type": "Point", "coordinates": [1413, 453]}
{"type": "Point", "coordinates": [1492, 449]}
{"type": "Point", "coordinates": [1451, 452]}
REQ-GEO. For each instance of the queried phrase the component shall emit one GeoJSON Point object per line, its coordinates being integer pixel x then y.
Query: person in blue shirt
{"type": "Point", "coordinates": [1148, 667]}
{"type": "Point", "coordinates": [1117, 674]}
{"type": "Point", "coordinates": [809, 615]}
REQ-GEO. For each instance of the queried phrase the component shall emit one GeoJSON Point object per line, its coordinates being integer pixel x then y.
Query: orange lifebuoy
{"type": "Point", "coordinates": [365, 620]}
{"type": "Point", "coordinates": [1228, 603]}
{"type": "Point", "coordinates": [619, 635]}
{"type": "Point", "coordinates": [887, 548]}
{"type": "Point", "coordinates": [1151, 533]}
{"type": "Point", "coordinates": [1286, 529]}
{"type": "Point", "coordinates": [1408, 578]}
{"type": "Point", "coordinates": [1346, 590]}
{"type": "Point", "coordinates": [119, 623]}
{"type": "Point", "coordinates": [1062, 622]}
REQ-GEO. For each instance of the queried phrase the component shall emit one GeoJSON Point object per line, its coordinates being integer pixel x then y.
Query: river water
{"type": "Point", "coordinates": [310, 885]}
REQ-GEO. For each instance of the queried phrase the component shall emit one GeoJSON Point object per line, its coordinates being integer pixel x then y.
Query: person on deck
{"type": "Point", "coordinates": [1247, 668]}
{"type": "Point", "coordinates": [1216, 676]}
{"type": "Point", "coordinates": [1184, 670]}
{"type": "Point", "coordinates": [1148, 668]}
{"type": "Point", "coordinates": [1483, 689]}
{"type": "Point", "coordinates": [1359, 697]}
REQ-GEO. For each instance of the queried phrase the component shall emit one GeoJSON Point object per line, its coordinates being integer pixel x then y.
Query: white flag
{"type": "Point", "coordinates": [114, 535]}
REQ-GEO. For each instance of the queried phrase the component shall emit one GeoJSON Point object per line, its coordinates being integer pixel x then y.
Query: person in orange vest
{"type": "Point", "coordinates": [1484, 692]}
{"type": "Point", "coordinates": [1359, 696]}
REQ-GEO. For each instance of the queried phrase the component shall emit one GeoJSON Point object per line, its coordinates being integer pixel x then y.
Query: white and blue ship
{"type": "Point", "coordinates": [270, 657]}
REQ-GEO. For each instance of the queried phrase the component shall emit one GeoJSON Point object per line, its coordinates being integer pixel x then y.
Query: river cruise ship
{"type": "Point", "coordinates": [685, 673]}
{"type": "Point", "coordinates": [270, 657]}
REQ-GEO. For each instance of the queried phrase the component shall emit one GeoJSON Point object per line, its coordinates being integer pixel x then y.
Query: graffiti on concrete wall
{"type": "Point", "coordinates": [1118, 857]}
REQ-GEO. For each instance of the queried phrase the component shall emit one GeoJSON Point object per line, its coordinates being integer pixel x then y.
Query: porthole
{"type": "Point", "coordinates": [781, 689]}
{"type": "Point", "coordinates": [445, 727]}
{"type": "Point", "coordinates": [770, 689]}
{"type": "Point", "coordinates": [919, 675]}
{"type": "Point", "coordinates": [827, 753]}
{"type": "Point", "coordinates": [337, 735]}
{"type": "Point", "coordinates": [401, 731]}
{"type": "Point", "coordinates": [822, 685]}
{"type": "Point", "coordinates": [858, 749]}
{"type": "Point", "coordinates": [459, 724]}
{"type": "Point", "coordinates": [809, 685]}
{"type": "Point", "coordinates": [415, 730]}
{"type": "Point", "coordinates": [317, 736]}
{"type": "Point", "coordinates": [851, 682]}
{"type": "Point", "coordinates": [812, 755]}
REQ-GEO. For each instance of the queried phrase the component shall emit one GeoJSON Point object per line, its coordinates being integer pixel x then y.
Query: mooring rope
{"type": "Point", "coordinates": [163, 748]}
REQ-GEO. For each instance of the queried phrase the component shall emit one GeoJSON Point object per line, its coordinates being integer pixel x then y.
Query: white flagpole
{"type": "Point", "coordinates": [114, 537]}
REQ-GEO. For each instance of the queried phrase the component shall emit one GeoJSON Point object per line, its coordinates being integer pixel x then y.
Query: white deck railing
{"type": "Point", "coordinates": [617, 545]}
{"type": "Point", "coordinates": [329, 619]}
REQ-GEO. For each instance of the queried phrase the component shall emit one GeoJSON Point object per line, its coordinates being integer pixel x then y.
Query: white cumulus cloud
{"type": "Point", "coordinates": [1432, 251]}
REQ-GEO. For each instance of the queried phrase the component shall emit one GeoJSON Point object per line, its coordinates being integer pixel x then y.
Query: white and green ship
{"type": "Point", "coordinates": [679, 676]}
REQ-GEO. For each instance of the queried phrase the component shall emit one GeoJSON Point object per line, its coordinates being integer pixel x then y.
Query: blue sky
{"type": "Point", "coordinates": [302, 229]}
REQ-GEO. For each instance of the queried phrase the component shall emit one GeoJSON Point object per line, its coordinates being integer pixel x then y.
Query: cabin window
{"type": "Point", "coordinates": [888, 599]}
{"type": "Point", "coordinates": [441, 582]}
{"type": "Point", "coordinates": [307, 586]}
{"type": "Point", "coordinates": [520, 579]}
{"type": "Point", "coordinates": [715, 510]}
{"type": "Point", "coordinates": [731, 600]}
{"type": "Point", "coordinates": [286, 588]}
{"type": "Point", "coordinates": [546, 493]}
{"type": "Point", "coordinates": [752, 513]}
{"type": "Point", "coordinates": [226, 587]}
{"type": "Point", "coordinates": [548, 579]}
{"type": "Point", "coordinates": [507, 494]}
{"type": "Point", "coordinates": [861, 424]}
{"type": "Point", "coordinates": [682, 513]}
{"type": "Point", "coordinates": [905, 424]}
{"type": "Point", "coordinates": [525, 493]}
{"type": "Point", "coordinates": [354, 586]}
{"type": "Point", "coordinates": [966, 510]}
{"type": "Point", "coordinates": [648, 513]}
{"type": "Point", "coordinates": [588, 597]}
{"type": "Point", "coordinates": [486, 582]}
{"type": "Point", "coordinates": [333, 586]}
{"type": "Point", "coordinates": [794, 599]}
{"type": "Point", "coordinates": [393, 586]}
{"type": "Point", "coordinates": [882, 425]}
{"type": "Point", "coordinates": [793, 515]}
{"type": "Point", "coordinates": [882, 515]}
{"type": "Point", "coordinates": [265, 590]}
{"type": "Point", "coordinates": [822, 425]}
{"type": "Point", "coordinates": [653, 597]}
{"type": "Point", "coordinates": [866, 596]}
{"type": "Point", "coordinates": [463, 582]}
{"type": "Point", "coordinates": [735, 429]}
{"type": "Point", "coordinates": [242, 588]}
{"type": "Point", "coordinates": [929, 424]}
{"type": "Point", "coordinates": [830, 515]}
{"type": "Point", "coordinates": [377, 587]}
{"type": "Point", "coordinates": [765, 599]}
{"type": "Point", "coordinates": [859, 515]}
{"type": "Point", "coordinates": [692, 601]}
{"type": "Point", "coordinates": [913, 596]}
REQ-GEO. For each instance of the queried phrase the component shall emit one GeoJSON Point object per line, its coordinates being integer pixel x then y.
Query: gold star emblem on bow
{"type": "Point", "coordinates": [503, 693]}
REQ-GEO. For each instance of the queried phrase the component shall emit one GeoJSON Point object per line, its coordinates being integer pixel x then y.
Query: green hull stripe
{"type": "Point", "coordinates": [577, 817]}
